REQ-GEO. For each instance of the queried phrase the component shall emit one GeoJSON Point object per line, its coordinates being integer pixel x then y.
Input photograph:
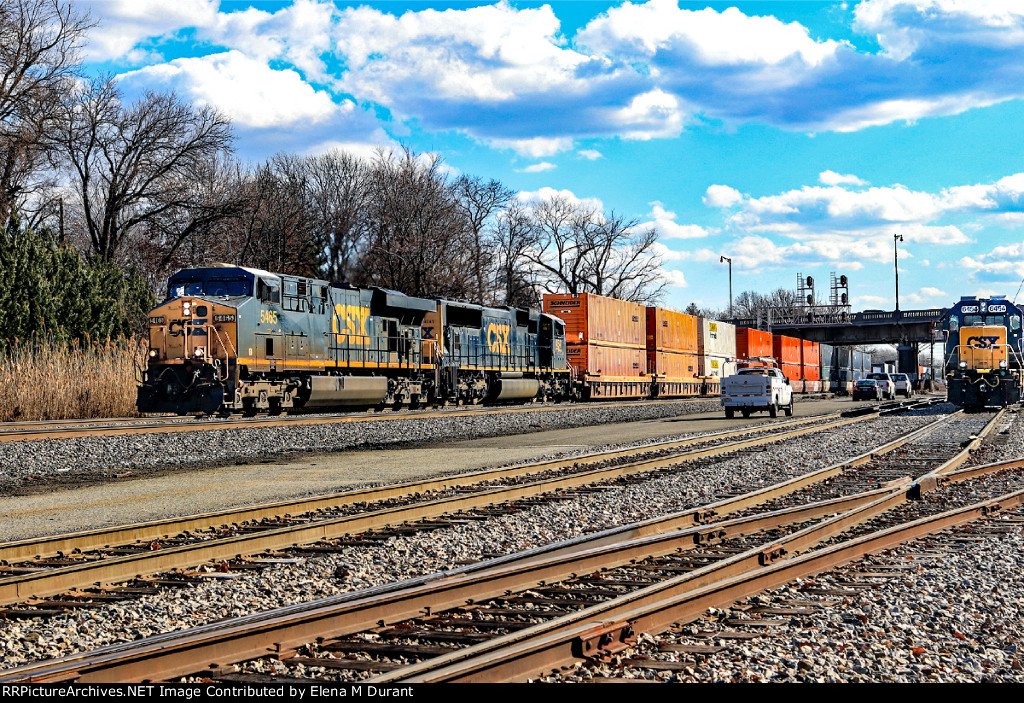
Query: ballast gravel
{"type": "Point", "coordinates": [406, 557]}
{"type": "Point", "coordinates": [103, 456]}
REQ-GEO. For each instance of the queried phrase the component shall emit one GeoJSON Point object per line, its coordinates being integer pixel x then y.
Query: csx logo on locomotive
{"type": "Point", "coordinates": [979, 342]}
{"type": "Point", "coordinates": [497, 339]}
{"type": "Point", "coordinates": [349, 324]}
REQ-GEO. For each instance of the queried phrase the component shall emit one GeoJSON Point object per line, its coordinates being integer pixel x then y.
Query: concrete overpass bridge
{"type": "Point", "coordinates": [907, 329]}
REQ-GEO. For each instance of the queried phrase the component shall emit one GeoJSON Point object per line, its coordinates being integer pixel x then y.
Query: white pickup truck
{"type": "Point", "coordinates": [756, 390]}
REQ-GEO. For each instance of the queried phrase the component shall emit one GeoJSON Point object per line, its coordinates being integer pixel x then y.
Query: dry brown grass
{"type": "Point", "coordinates": [43, 380]}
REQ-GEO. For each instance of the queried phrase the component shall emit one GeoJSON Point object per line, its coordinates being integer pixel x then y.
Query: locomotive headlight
{"type": "Point", "coordinates": [199, 353]}
{"type": "Point", "coordinates": [1002, 363]}
{"type": "Point", "coordinates": [186, 308]}
{"type": "Point", "coordinates": [963, 364]}
{"type": "Point", "coordinates": [154, 353]}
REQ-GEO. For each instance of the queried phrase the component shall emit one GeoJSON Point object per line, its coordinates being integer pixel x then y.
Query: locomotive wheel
{"type": "Point", "coordinates": [249, 407]}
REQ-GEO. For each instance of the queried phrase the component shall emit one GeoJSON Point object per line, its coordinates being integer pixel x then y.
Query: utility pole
{"type": "Point", "coordinates": [720, 260]}
{"type": "Point", "coordinates": [896, 263]}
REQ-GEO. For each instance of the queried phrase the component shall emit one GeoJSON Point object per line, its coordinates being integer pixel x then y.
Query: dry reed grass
{"type": "Point", "coordinates": [46, 380]}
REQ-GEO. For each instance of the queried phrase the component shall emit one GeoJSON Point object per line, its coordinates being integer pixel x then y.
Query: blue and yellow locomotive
{"type": "Point", "coordinates": [235, 339]}
{"type": "Point", "coordinates": [983, 360]}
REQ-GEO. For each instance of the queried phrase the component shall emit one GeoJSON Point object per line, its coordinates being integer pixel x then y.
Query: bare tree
{"type": "Point", "coordinates": [40, 41]}
{"type": "Point", "coordinates": [513, 238]}
{"type": "Point", "coordinates": [337, 189]}
{"type": "Point", "coordinates": [578, 249]}
{"type": "Point", "coordinates": [415, 232]}
{"type": "Point", "coordinates": [480, 201]}
{"type": "Point", "coordinates": [129, 164]}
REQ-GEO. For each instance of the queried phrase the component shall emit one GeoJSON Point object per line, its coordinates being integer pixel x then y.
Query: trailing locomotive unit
{"type": "Point", "coordinates": [233, 339]}
{"type": "Point", "coordinates": [496, 354]}
{"type": "Point", "coordinates": [983, 352]}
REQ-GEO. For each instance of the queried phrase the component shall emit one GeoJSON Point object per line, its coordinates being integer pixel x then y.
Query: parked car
{"type": "Point", "coordinates": [886, 384]}
{"type": "Point", "coordinates": [867, 389]}
{"type": "Point", "coordinates": [904, 386]}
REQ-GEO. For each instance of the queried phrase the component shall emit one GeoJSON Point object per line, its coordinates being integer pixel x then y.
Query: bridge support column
{"type": "Point", "coordinates": [906, 359]}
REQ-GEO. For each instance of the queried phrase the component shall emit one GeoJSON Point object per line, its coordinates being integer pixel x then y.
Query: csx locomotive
{"type": "Point", "coordinates": [983, 361]}
{"type": "Point", "coordinates": [235, 339]}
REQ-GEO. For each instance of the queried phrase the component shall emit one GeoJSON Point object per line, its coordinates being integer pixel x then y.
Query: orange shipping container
{"type": "Point", "coordinates": [810, 373]}
{"type": "Point", "coordinates": [594, 318]}
{"type": "Point", "coordinates": [751, 344]}
{"type": "Point", "coordinates": [791, 371]}
{"type": "Point", "coordinates": [668, 330]}
{"type": "Point", "coordinates": [672, 365]}
{"type": "Point", "coordinates": [610, 363]}
{"type": "Point", "coordinates": [810, 353]}
{"type": "Point", "coordinates": [786, 350]}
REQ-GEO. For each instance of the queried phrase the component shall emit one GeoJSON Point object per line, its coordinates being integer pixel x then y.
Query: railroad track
{"type": "Point", "coordinates": [295, 628]}
{"type": "Point", "coordinates": [39, 568]}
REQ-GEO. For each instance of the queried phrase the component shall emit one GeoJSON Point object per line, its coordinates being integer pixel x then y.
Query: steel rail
{"type": "Point", "coordinates": [156, 529]}
{"type": "Point", "coordinates": [179, 654]}
{"type": "Point", "coordinates": [433, 593]}
{"type": "Point", "coordinates": [612, 626]}
{"type": "Point", "coordinates": [62, 579]}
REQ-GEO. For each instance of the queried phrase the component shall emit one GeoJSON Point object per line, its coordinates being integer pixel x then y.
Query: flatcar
{"type": "Point", "coordinates": [983, 360]}
{"type": "Point", "coordinates": [235, 339]}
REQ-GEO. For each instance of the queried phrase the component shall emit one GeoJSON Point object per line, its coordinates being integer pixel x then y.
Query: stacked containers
{"type": "Point", "coordinates": [752, 344]}
{"type": "Point", "coordinates": [827, 354]}
{"type": "Point", "coordinates": [605, 342]}
{"type": "Point", "coordinates": [842, 370]}
{"type": "Point", "coordinates": [786, 351]}
{"type": "Point", "coordinates": [672, 352]}
{"type": "Point", "coordinates": [716, 348]}
{"type": "Point", "coordinates": [810, 366]}
{"type": "Point", "coordinates": [858, 365]}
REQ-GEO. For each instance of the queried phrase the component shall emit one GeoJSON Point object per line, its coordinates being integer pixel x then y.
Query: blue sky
{"type": "Point", "coordinates": [795, 137]}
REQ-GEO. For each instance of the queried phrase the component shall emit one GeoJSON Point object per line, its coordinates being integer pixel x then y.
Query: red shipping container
{"type": "Point", "coordinates": [668, 330]}
{"type": "Point", "coordinates": [751, 344]}
{"type": "Point", "coordinates": [594, 318]}
{"type": "Point", "coordinates": [670, 366]}
{"type": "Point", "coordinates": [786, 350]}
{"type": "Point", "coordinates": [610, 363]}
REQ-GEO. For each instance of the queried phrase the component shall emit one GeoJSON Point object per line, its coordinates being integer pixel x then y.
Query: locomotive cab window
{"type": "Point", "coordinates": [269, 293]}
{"type": "Point", "coordinates": [954, 323]}
{"type": "Point", "coordinates": [1015, 322]}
